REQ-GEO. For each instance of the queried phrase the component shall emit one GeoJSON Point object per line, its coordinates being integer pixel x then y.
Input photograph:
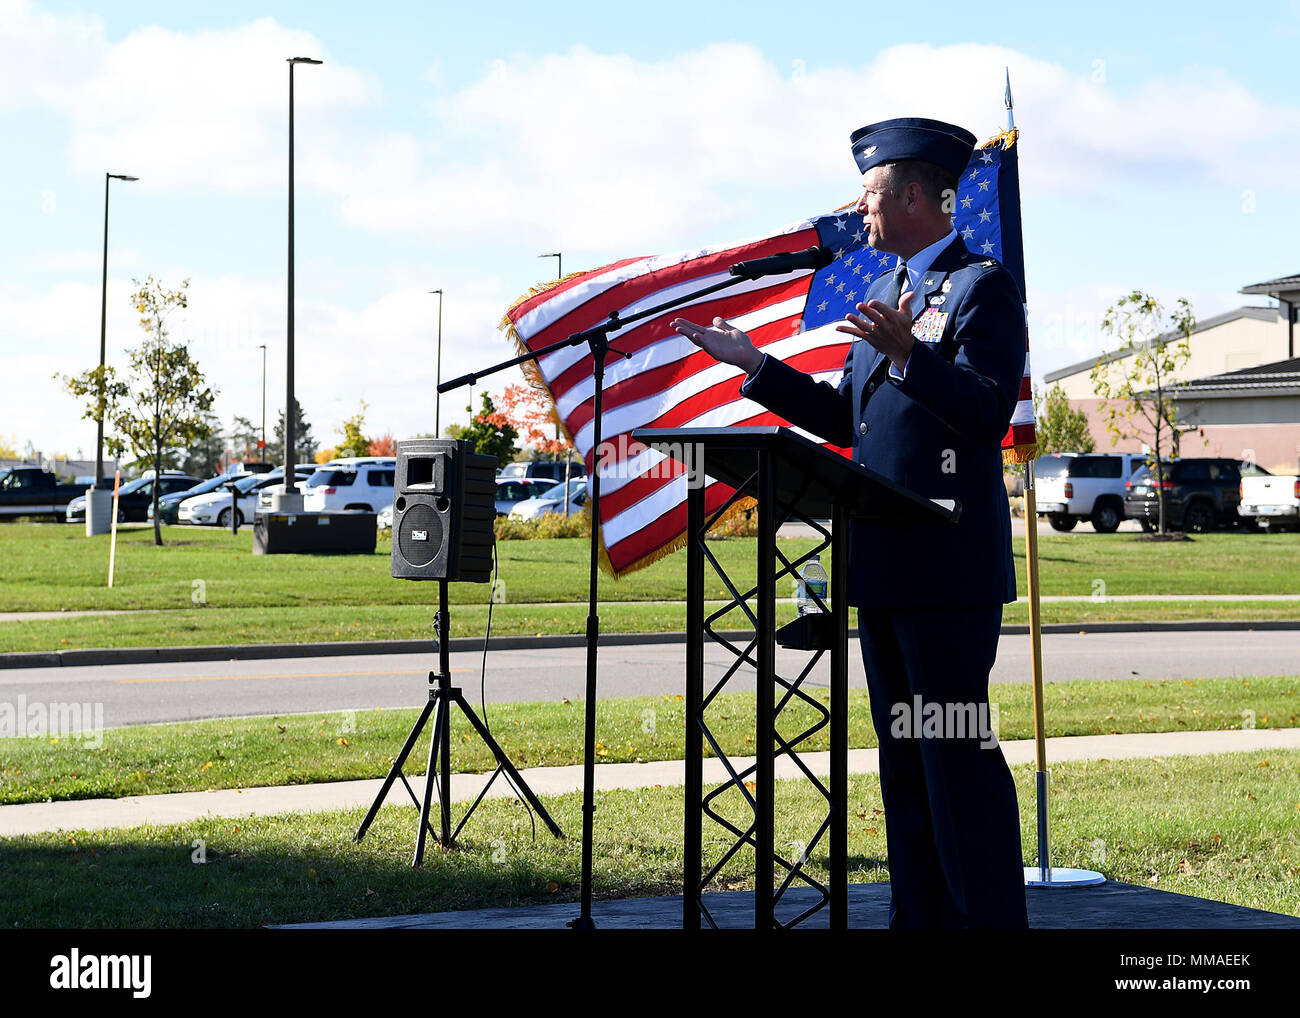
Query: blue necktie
{"type": "Point", "coordinates": [896, 287]}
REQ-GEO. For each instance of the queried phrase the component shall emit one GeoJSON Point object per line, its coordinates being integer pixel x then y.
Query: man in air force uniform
{"type": "Point", "coordinates": [930, 382]}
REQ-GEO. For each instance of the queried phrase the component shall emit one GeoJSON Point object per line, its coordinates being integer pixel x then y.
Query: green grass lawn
{"type": "Point", "coordinates": [306, 748]}
{"type": "Point", "coordinates": [57, 568]}
{"type": "Point", "coordinates": [1224, 827]}
{"type": "Point", "coordinates": [205, 587]}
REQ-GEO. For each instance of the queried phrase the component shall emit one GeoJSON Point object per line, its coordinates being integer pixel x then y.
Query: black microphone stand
{"type": "Point", "coordinates": [597, 338]}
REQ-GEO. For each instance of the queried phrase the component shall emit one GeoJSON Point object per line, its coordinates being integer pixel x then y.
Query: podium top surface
{"type": "Point", "coordinates": [808, 478]}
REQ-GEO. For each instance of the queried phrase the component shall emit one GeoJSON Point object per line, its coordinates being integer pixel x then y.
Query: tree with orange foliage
{"type": "Point", "coordinates": [522, 408]}
{"type": "Point", "coordinates": [384, 445]}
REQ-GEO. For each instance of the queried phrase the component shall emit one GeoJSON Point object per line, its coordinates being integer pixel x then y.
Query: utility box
{"type": "Point", "coordinates": [345, 532]}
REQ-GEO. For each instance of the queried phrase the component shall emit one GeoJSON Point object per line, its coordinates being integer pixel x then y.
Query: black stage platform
{"type": "Point", "coordinates": [1110, 906]}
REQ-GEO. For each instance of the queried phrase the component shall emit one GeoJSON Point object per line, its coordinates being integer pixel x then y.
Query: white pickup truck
{"type": "Point", "coordinates": [1084, 486]}
{"type": "Point", "coordinates": [1271, 501]}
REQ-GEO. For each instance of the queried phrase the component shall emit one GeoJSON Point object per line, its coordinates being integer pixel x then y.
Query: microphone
{"type": "Point", "coordinates": [790, 261]}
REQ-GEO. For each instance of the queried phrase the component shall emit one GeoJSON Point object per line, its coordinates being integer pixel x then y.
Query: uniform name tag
{"type": "Point", "coordinates": [928, 328]}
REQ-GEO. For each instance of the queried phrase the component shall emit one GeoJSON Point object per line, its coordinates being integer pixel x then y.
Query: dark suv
{"type": "Point", "coordinates": [1200, 494]}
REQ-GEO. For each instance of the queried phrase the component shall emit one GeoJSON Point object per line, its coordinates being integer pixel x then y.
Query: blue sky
{"type": "Point", "coordinates": [447, 145]}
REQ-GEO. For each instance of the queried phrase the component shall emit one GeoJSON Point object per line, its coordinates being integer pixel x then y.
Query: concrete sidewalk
{"type": "Point", "coordinates": [183, 807]}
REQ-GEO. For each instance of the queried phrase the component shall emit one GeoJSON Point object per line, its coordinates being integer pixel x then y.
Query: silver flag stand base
{"type": "Point", "coordinates": [1062, 876]}
{"type": "Point", "coordinates": [1045, 874]}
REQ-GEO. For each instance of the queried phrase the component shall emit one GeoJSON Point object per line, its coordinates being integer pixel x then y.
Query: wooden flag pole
{"type": "Point", "coordinates": [1042, 875]}
{"type": "Point", "coordinates": [1036, 646]}
{"type": "Point", "coordinates": [112, 545]}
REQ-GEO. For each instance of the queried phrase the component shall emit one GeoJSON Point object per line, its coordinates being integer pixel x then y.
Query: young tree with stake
{"type": "Point", "coordinates": [163, 401]}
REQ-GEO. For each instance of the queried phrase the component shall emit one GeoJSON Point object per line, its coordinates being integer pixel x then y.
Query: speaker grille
{"type": "Point", "coordinates": [420, 519]}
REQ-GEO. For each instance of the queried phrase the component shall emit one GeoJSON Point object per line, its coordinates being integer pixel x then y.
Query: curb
{"type": "Point", "coordinates": [352, 648]}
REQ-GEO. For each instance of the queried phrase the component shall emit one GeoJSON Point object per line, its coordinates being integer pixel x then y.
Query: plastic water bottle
{"type": "Point", "coordinates": [812, 580]}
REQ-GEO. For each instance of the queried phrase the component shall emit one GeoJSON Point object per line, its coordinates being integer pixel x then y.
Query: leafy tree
{"type": "Point", "coordinates": [1057, 426]}
{"type": "Point", "coordinates": [8, 448]}
{"type": "Point", "coordinates": [1155, 345]}
{"type": "Point", "coordinates": [384, 445]}
{"type": "Point", "coordinates": [205, 454]}
{"type": "Point", "coordinates": [354, 441]}
{"type": "Point", "coordinates": [490, 432]}
{"type": "Point", "coordinates": [522, 407]}
{"type": "Point", "coordinates": [162, 405]}
{"type": "Point", "coordinates": [304, 443]}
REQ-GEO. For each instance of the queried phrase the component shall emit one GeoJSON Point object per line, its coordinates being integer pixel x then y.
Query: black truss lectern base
{"type": "Point", "coordinates": [792, 479]}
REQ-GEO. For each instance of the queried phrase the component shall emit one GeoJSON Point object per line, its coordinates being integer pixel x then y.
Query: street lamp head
{"type": "Point", "coordinates": [550, 254]}
{"type": "Point", "coordinates": [122, 176]}
{"type": "Point", "coordinates": [304, 60]}
{"type": "Point", "coordinates": [438, 292]}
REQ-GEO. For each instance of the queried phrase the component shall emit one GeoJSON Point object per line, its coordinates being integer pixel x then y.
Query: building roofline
{"type": "Point", "coordinates": [1272, 287]}
{"type": "Point", "coordinates": [1262, 314]}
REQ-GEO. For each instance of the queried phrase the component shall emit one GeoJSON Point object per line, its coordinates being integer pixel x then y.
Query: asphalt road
{"type": "Point", "coordinates": [141, 694]}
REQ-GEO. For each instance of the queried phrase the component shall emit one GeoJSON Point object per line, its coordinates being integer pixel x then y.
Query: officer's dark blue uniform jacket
{"type": "Point", "coordinates": [938, 433]}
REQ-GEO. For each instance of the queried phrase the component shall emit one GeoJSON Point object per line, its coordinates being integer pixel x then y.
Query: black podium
{"type": "Point", "coordinates": [792, 479]}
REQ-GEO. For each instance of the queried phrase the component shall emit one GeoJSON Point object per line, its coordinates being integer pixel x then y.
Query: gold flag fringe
{"type": "Point", "coordinates": [1019, 454]}
{"type": "Point", "coordinates": [1004, 138]}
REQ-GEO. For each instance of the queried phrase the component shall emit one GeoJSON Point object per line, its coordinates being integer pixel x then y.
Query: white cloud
{"type": "Point", "coordinates": [199, 110]}
{"type": "Point", "coordinates": [591, 150]}
{"type": "Point", "coordinates": [595, 150]}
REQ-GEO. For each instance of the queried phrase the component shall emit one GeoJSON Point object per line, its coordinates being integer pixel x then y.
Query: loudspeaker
{"type": "Point", "coordinates": [444, 509]}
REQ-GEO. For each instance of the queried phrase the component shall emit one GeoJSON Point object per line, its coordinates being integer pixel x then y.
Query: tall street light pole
{"type": "Point", "coordinates": [103, 333]}
{"type": "Point", "coordinates": [262, 346]}
{"type": "Point", "coordinates": [437, 397]}
{"type": "Point", "coordinates": [291, 499]}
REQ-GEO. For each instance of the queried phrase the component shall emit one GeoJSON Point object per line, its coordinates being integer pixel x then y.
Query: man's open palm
{"type": "Point", "coordinates": [722, 341]}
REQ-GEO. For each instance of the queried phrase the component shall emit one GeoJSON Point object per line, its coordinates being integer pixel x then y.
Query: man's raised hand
{"type": "Point", "coordinates": [722, 341]}
{"type": "Point", "coordinates": [888, 329]}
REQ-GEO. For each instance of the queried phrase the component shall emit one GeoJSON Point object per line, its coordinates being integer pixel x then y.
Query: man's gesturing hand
{"type": "Point", "coordinates": [722, 342]}
{"type": "Point", "coordinates": [887, 329]}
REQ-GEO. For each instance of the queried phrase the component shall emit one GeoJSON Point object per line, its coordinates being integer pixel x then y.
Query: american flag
{"type": "Point", "coordinates": [667, 382]}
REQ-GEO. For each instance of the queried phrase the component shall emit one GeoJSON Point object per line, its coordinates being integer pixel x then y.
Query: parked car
{"type": "Point", "coordinates": [359, 483]}
{"type": "Point", "coordinates": [34, 491]}
{"type": "Point", "coordinates": [1084, 486]}
{"type": "Point", "coordinates": [169, 504]}
{"type": "Point", "coordinates": [1270, 500]}
{"type": "Point", "coordinates": [512, 491]}
{"type": "Point", "coordinates": [214, 507]}
{"type": "Point", "coordinates": [134, 498]}
{"type": "Point", "coordinates": [1201, 493]}
{"type": "Point", "coordinates": [546, 469]}
{"type": "Point", "coordinates": [552, 501]}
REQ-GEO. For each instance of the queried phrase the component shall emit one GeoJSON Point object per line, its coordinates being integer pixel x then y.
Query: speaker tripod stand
{"type": "Point", "coordinates": [443, 696]}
